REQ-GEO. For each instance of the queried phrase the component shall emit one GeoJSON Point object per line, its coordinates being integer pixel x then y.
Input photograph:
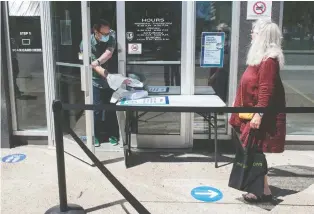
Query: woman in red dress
{"type": "Point", "coordinates": [261, 86]}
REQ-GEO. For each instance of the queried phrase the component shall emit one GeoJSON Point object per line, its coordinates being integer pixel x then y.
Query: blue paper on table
{"type": "Point", "coordinates": [153, 101]}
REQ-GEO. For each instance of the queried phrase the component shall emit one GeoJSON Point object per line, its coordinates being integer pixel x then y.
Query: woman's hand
{"type": "Point", "coordinates": [256, 121]}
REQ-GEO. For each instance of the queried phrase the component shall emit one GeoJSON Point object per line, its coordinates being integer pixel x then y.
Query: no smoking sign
{"type": "Point", "coordinates": [259, 10]}
{"type": "Point", "coordinates": [134, 48]}
{"type": "Point", "coordinates": [259, 7]}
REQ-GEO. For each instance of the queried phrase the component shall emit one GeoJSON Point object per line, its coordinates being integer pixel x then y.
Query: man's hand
{"type": "Point", "coordinates": [101, 71]}
{"type": "Point", "coordinates": [127, 81]}
{"type": "Point", "coordinates": [95, 64]}
{"type": "Point", "coordinates": [256, 121]}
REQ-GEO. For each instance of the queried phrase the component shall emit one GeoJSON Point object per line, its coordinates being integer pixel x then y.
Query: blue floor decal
{"type": "Point", "coordinates": [206, 194]}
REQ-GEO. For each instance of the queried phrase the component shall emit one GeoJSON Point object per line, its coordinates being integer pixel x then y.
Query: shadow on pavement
{"type": "Point", "coordinates": [290, 179]}
{"type": "Point", "coordinates": [104, 206]}
{"type": "Point", "coordinates": [203, 151]}
{"type": "Point", "coordinates": [141, 158]}
{"type": "Point", "coordinates": [110, 161]}
{"type": "Point", "coordinates": [287, 180]}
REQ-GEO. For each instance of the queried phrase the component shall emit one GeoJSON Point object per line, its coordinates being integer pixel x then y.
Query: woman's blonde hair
{"type": "Point", "coordinates": [266, 43]}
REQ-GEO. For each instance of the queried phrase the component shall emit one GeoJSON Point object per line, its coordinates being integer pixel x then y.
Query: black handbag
{"type": "Point", "coordinates": [249, 168]}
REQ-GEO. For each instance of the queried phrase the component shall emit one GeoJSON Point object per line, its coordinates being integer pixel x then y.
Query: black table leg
{"type": "Point", "coordinates": [209, 117]}
{"type": "Point", "coordinates": [136, 122]}
{"type": "Point", "coordinates": [216, 140]}
{"type": "Point", "coordinates": [127, 139]}
{"type": "Point", "coordinates": [131, 129]}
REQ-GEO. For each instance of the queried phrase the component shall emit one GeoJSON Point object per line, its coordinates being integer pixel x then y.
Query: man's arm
{"type": "Point", "coordinates": [106, 56]}
{"type": "Point", "coordinates": [103, 58]}
{"type": "Point", "coordinates": [101, 71]}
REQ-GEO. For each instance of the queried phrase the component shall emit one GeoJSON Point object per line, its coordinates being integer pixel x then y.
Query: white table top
{"type": "Point", "coordinates": [156, 90]}
{"type": "Point", "coordinates": [177, 101]}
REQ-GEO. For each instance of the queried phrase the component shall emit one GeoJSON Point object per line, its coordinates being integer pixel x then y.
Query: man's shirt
{"type": "Point", "coordinates": [97, 49]}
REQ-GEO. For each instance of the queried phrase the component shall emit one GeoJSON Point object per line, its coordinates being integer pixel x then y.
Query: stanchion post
{"type": "Point", "coordinates": [57, 115]}
{"type": "Point", "coordinates": [63, 207]}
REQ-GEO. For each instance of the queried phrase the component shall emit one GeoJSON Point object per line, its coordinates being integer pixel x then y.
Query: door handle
{"type": "Point", "coordinates": [83, 78]}
{"type": "Point", "coordinates": [121, 67]}
{"type": "Point", "coordinates": [88, 79]}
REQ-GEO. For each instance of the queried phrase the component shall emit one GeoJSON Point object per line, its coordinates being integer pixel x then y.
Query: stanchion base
{"type": "Point", "coordinates": [72, 209]}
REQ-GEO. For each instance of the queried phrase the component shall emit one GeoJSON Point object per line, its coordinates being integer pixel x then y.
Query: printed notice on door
{"type": "Point", "coordinates": [212, 54]}
{"type": "Point", "coordinates": [151, 29]}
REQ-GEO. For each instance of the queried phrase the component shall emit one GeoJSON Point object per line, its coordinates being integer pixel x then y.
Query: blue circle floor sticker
{"type": "Point", "coordinates": [206, 194]}
{"type": "Point", "coordinates": [13, 158]}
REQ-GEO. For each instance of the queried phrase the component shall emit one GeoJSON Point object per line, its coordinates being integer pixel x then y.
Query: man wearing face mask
{"type": "Point", "coordinates": [104, 61]}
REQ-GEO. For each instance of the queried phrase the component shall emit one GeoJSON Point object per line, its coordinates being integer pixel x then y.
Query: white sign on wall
{"type": "Point", "coordinates": [134, 48]}
{"type": "Point", "coordinates": [259, 10]}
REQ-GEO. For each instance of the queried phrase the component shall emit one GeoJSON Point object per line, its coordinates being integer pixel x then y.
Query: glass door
{"type": "Point", "coordinates": [213, 16]}
{"type": "Point", "coordinates": [73, 76]}
{"type": "Point", "coordinates": [149, 43]}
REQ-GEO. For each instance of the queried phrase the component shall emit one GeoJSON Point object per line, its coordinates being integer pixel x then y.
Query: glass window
{"type": "Point", "coordinates": [153, 45]}
{"type": "Point", "coordinates": [27, 64]}
{"type": "Point", "coordinates": [298, 26]}
{"type": "Point", "coordinates": [67, 35]}
{"type": "Point", "coordinates": [298, 74]}
{"type": "Point", "coordinates": [212, 16]}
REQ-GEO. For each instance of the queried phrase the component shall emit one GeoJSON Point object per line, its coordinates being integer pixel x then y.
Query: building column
{"type": "Point", "coordinates": [48, 65]}
{"type": "Point", "coordinates": [6, 125]}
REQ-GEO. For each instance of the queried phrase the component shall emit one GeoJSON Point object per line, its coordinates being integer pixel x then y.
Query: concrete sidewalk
{"type": "Point", "coordinates": [162, 182]}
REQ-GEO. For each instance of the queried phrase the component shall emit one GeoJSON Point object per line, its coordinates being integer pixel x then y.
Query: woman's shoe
{"type": "Point", "coordinates": [257, 199]}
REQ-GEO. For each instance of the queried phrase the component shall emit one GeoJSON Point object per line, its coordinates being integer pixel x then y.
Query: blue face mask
{"type": "Point", "coordinates": [104, 38]}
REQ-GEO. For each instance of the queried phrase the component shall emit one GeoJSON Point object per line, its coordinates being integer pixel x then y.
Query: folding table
{"type": "Point", "coordinates": [168, 103]}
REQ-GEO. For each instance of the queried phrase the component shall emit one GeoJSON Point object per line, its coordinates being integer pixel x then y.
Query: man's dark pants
{"type": "Point", "coordinates": [105, 122]}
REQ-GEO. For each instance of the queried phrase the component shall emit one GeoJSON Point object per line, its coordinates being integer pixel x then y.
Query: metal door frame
{"type": "Point", "coordinates": [86, 77]}
{"type": "Point", "coordinates": [86, 28]}
{"type": "Point", "coordinates": [183, 140]}
{"type": "Point", "coordinates": [26, 132]}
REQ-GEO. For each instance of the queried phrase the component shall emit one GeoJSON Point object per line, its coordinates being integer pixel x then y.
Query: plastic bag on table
{"type": "Point", "coordinates": [128, 95]}
{"type": "Point", "coordinates": [115, 81]}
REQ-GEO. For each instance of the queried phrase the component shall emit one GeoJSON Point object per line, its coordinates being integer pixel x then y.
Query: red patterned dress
{"type": "Point", "coordinates": [261, 86]}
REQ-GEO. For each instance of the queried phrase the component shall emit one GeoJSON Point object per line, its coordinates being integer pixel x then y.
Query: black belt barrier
{"type": "Point", "coordinates": [295, 110]}
{"type": "Point", "coordinates": [58, 109]}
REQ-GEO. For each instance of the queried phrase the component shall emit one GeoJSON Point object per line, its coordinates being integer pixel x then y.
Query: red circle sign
{"type": "Point", "coordinates": [134, 47]}
{"type": "Point", "coordinates": [259, 7]}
